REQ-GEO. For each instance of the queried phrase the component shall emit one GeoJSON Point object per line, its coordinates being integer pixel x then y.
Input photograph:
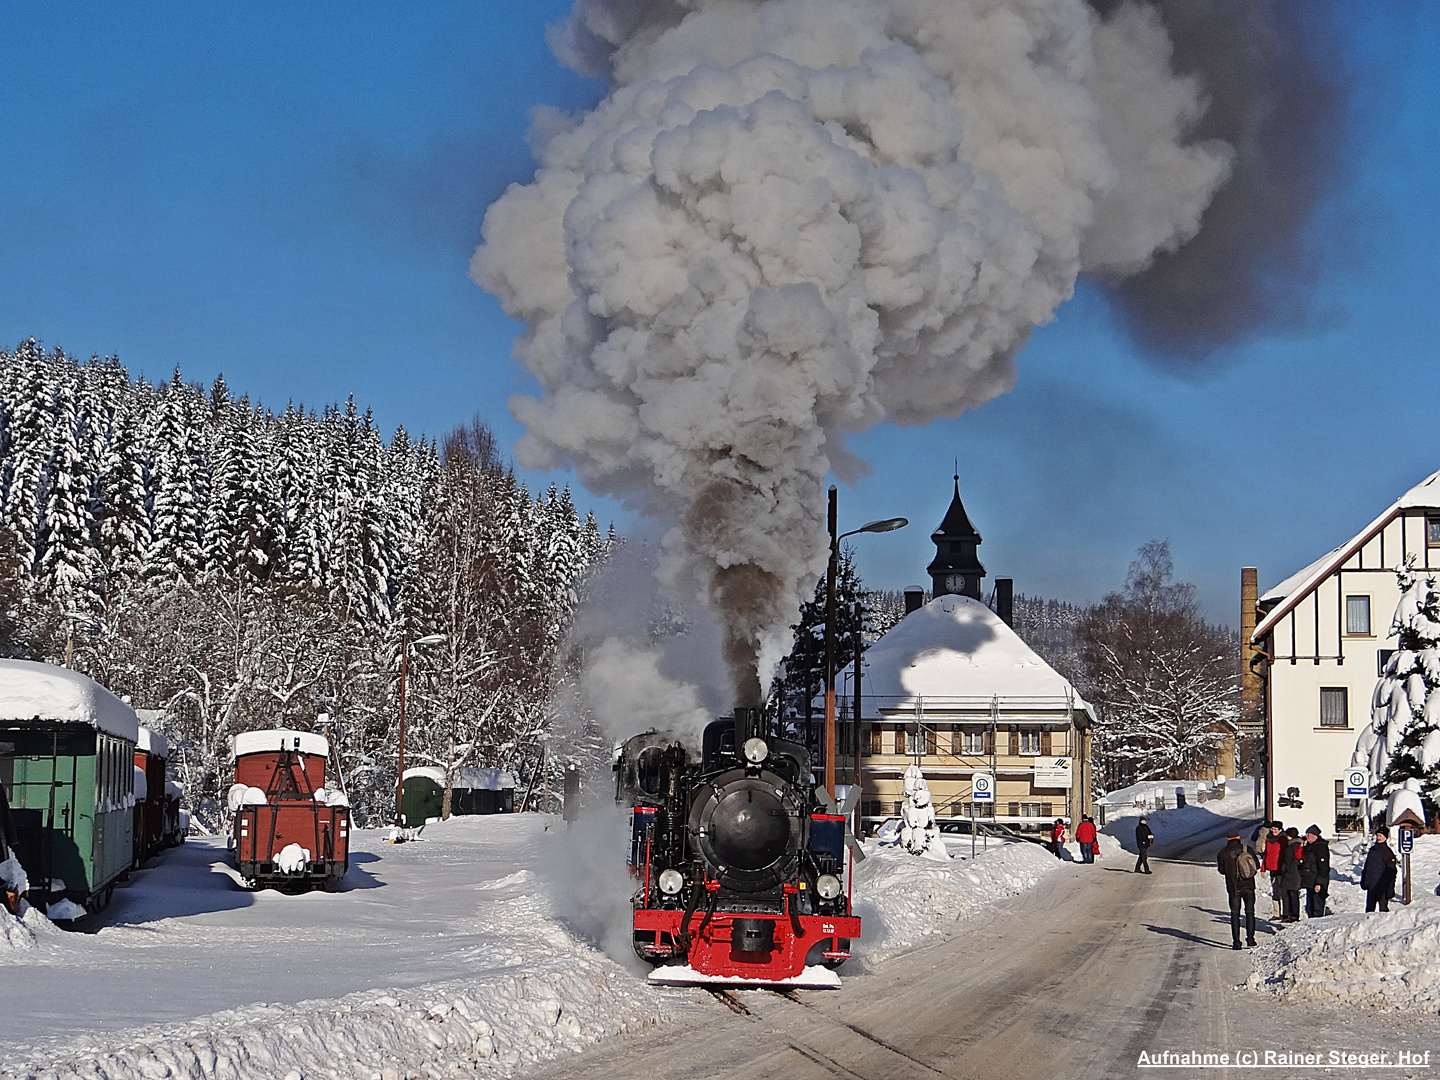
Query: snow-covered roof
{"type": "Point", "coordinates": [152, 742]}
{"type": "Point", "coordinates": [1424, 495]}
{"type": "Point", "coordinates": [267, 742]}
{"type": "Point", "coordinates": [957, 648]}
{"type": "Point", "coordinates": [30, 691]}
{"type": "Point", "coordinates": [465, 779]}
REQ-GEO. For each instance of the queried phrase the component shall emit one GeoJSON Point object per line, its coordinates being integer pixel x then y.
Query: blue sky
{"type": "Point", "coordinates": [290, 195]}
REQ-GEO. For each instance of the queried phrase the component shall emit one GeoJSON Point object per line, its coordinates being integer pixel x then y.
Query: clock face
{"type": "Point", "coordinates": [955, 582]}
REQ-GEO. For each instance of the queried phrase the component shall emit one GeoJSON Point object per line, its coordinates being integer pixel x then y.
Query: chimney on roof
{"type": "Point", "coordinates": [914, 598]}
{"type": "Point", "coordinates": [1005, 600]}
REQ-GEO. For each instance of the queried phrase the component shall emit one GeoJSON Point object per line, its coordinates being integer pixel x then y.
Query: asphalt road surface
{"type": "Point", "coordinates": [1072, 979]}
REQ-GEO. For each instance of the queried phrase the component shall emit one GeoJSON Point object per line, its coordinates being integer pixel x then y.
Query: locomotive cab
{"type": "Point", "coordinates": [741, 876]}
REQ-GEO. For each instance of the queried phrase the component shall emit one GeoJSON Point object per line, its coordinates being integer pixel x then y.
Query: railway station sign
{"type": "Point", "coordinates": [1357, 784]}
{"type": "Point", "coordinates": [982, 787]}
{"type": "Point", "coordinates": [1053, 772]}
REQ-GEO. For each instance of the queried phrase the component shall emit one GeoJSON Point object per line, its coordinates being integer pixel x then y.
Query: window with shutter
{"type": "Point", "coordinates": [988, 743]}
{"type": "Point", "coordinates": [1045, 743]}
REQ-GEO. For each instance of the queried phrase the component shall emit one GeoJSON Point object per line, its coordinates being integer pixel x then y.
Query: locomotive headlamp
{"type": "Point", "coordinates": [828, 886]}
{"type": "Point", "coordinates": [671, 881]}
{"type": "Point", "coordinates": [756, 751]}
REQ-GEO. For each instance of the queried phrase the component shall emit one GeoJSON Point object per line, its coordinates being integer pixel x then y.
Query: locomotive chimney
{"type": "Point", "coordinates": [914, 598]}
{"type": "Point", "coordinates": [747, 725]}
{"type": "Point", "coordinates": [1005, 600]}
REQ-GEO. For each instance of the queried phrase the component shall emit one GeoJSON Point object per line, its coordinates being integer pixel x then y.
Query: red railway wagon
{"type": "Point", "coordinates": [289, 830]}
{"type": "Point", "coordinates": [157, 800]}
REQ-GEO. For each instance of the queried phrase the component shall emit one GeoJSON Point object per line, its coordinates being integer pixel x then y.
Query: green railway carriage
{"type": "Point", "coordinates": [67, 766]}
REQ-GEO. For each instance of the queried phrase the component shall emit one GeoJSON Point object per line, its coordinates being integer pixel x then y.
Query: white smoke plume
{"type": "Point", "coordinates": [792, 219]}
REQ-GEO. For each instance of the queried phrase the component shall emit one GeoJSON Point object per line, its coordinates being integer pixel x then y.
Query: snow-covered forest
{"type": "Point", "coordinates": [238, 568]}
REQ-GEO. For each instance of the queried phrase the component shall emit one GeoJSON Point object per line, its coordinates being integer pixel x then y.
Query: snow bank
{"type": "Point", "coordinates": [19, 932]}
{"type": "Point", "coordinates": [904, 899]}
{"type": "Point", "coordinates": [29, 690]}
{"type": "Point", "coordinates": [1177, 822]}
{"type": "Point", "coordinates": [1382, 960]}
{"type": "Point", "coordinates": [449, 1028]}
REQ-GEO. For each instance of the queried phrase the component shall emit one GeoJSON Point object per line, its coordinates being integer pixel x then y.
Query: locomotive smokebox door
{"type": "Point", "coordinates": [753, 935]}
{"type": "Point", "coordinates": [571, 810]}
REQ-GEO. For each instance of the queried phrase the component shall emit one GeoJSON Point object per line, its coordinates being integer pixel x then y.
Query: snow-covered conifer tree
{"type": "Point", "coordinates": [1401, 744]}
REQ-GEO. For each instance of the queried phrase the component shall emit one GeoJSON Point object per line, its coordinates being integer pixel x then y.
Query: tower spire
{"type": "Point", "coordinates": [956, 569]}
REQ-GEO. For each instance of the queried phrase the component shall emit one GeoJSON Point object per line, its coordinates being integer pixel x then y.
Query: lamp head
{"type": "Point", "coordinates": [885, 525]}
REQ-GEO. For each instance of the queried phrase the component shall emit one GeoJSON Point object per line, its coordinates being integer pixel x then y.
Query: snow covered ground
{"type": "Point", "coordinates": [435, 956]}
{"type": "Point", "coordinates": [1381, 960]}
{"type": "Point", "coordinates": [494, 943]}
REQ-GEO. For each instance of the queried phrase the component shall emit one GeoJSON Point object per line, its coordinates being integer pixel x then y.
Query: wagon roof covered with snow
{"type": "Point", "coordinates": [471, 779]}
{"type": "Point", "coordinates": [275, 739]}
{"type": "Point", "coordinates": [31, 691]}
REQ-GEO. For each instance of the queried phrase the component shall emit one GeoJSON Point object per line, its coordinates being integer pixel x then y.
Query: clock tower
{"type": "Point", "coordinates": [957, 569]}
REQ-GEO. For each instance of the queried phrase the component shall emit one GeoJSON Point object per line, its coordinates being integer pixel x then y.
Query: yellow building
{"type": "Point", "coordinates": [953, 688]}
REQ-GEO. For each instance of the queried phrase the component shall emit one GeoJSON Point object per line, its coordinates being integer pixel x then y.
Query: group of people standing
{"type": "Point", "coordinates": [1086, 837]}
{"type": "Point", "coordinates": [1295, 864]}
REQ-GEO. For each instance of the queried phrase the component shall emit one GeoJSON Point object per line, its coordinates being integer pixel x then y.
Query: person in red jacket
{"type": "Point", "coordinates": [1085, 837]}
{"type": "Point", "coordinates": [1274, 851]}
{"type": "Point", "coordinates": [1057, 838]}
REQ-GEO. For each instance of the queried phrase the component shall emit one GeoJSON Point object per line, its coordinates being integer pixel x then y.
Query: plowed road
{"type": "Point", "coordinates": [1073, 979]}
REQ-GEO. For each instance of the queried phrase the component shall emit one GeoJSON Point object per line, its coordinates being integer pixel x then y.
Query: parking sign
{"type": "Point", "coordinates": [1407, 841]}
{"type": "Point", "coordinates": [1357, 784]}
{"type": "Point", "coordinates": [982, 787]}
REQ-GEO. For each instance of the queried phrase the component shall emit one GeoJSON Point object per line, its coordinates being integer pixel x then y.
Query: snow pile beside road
{"type": "Point", "coordinates": [1383, 960]}
{"type": "Point", "coordinates": [1386, 960]}
{"type": "Point", "coordinates": [24, 932]}
{"type": "Point", "coordinates": [1178, 822]}
{"type": "Point", "coordinates": [444, 1029]}
{"type": "Point", "coordinates": [904, 899]}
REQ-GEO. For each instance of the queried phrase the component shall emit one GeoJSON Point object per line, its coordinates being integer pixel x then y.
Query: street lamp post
{"type": "Point", "coordinates": [405, 646]}
{"type": "Point", "coordinates": [885, 525]}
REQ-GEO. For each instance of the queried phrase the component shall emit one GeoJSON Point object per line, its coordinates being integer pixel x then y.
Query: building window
{"type": "Point", "coordinates": [1382, 658]}
{"type": "Point", "coordinates": [1030, 742]}
{"type": "Point", "coordinates": [1357, 615]}
{"type": "Point", "coordinates": [971, 742]}
{"type": "Point", "coordinates": [1432, 531]}
{"type": "Point", "coordinates": [1334, 706]}
{"type": "Point", "coordinates": [1348, 817]}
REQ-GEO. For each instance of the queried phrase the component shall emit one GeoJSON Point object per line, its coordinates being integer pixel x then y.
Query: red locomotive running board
{"type": "Point", "coordinates": [711, 953]}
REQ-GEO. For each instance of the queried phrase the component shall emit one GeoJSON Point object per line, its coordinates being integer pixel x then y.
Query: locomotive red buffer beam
{"type": "Point", "coordinates": [749, 950]}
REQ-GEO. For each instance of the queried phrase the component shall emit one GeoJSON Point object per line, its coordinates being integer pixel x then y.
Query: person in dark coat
{"type": "Point", "coordinates": [1290, 877]}
{"type": "Point", "coordinates": [1085, 836]}
{"type": "Point", "coordinates": [1378, 877]}
{"type": "Point", "coordinates": [1240, 875]}
{"type": "Point", "coordinates": [1315, 872]}
{"type": "Point", "coordinates": [1143, 839]}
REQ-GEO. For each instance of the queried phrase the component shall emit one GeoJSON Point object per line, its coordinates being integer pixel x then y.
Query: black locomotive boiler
{"type": "Point", "coordinates": [742, 877]}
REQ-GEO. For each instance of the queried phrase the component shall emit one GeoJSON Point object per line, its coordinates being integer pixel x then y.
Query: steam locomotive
{"type": "Point", "coordinates": [741, 875]}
